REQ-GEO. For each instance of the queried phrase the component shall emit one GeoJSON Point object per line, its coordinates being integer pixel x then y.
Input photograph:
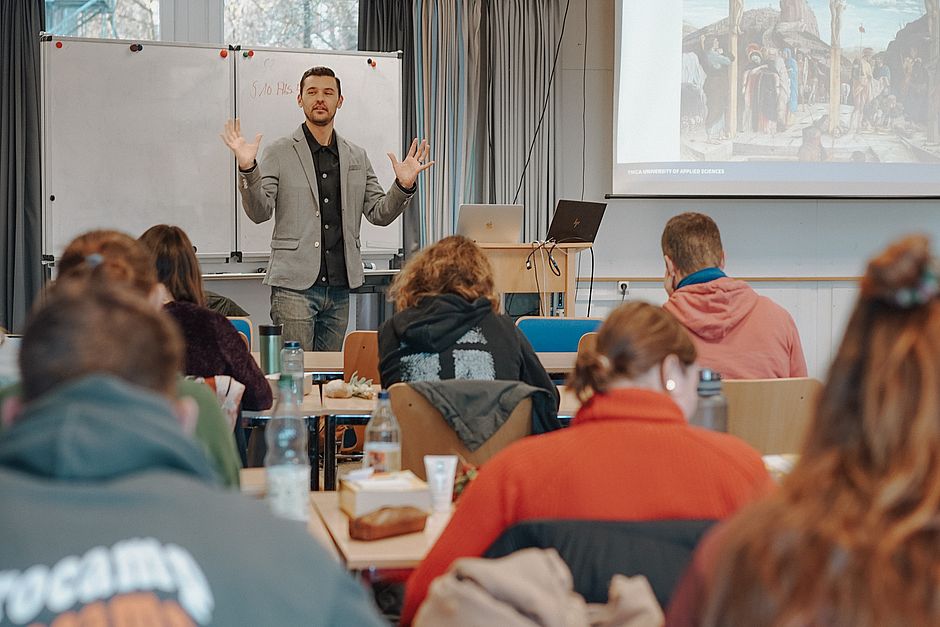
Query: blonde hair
{"type": "Point", "coordinates": [634, 338]}
{"type": "Point", "coordinates": [454, 265]}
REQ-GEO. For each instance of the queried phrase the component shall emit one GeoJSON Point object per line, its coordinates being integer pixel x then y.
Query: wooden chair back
{"type": "Point", "coordinates": [588, 342]}
{"type": "Point", "coordinates": [361, 355]}
{"type": "Point", "coordinates": [424, 431]}
{"type": "Point", "coordinates": [771, 414]}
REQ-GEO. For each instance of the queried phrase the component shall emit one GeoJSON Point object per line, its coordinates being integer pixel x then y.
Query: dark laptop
{"type": "Point", "coordinates": [576, 221]}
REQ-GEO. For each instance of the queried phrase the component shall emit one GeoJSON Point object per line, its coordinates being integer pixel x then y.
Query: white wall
{"type": "Point", "coordinates": [780, 239]}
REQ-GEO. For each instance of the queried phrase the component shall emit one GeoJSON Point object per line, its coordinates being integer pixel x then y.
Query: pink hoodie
{"type": "Point", "coordinates": [737, 332]}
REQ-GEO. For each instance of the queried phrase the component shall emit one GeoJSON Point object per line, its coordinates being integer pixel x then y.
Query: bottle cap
{"type": "Point", "coordinates": [709, 382]}
{"type": "Point", "coordinates": [270, 329]}
{"type": "Point", "coordinates": [292, 344]}
{"type": "Point", "coordinates": [383, 395]}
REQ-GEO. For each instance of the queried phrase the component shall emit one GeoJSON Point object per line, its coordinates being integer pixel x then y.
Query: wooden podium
{"type": "Point", "coordinates": [511, 275]}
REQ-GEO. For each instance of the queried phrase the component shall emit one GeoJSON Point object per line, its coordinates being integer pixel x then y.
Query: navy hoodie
{"type": "Point", "coordinates": [110, 516]}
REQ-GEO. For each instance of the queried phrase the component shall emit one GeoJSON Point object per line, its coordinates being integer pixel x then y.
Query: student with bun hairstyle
{"type": "Point", "coordinates": [213, 346]}
{"type": "Point", "coordinates": [639, 388]}
{"type": "Point", "coordinates": [852, 535]}
{"type": "Point", "coordinates": [111, 257]}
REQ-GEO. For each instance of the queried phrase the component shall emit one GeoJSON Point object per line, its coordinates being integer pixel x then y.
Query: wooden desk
{"type": "Point", "coordinates": [405, 551]}
{"type": "Point", "coordinates": [511, 275]}
{"type": "Point", "coordinates": [328, 362]}
{"type": "Point", "coordinates": [253, 484]}
{"type": "Point", "coordinates": [558, 363]}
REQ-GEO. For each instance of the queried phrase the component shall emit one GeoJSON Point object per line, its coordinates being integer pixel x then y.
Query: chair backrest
{"type": "Point", "coordinates": [556, 335]}
{"type": "Point", "coordinates": [244, 328]}
{"type": "Point", "coordinates": [588, 342]}
{"type": "Point", "coordinates": [425, 432]}
{"type": "Point", "coordinates": [771, 414]}
{"type": "Point", "coordinates": [597, 550]}
{"type": "Point", "coordinates": [361, 355]}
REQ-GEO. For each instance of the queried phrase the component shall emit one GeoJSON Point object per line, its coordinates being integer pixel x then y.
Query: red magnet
{"type": "Point", "coordinates": [58, 44]}
{"type": "Point", "coordinates": [223, 53]}
{"type": "Point", "coordinates": [248, 53]}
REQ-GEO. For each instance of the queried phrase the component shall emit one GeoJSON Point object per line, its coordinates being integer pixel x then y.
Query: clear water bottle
{"type": "Point", "coordinates": [286, 462]}
{"type": "Point", "coordinates": [292, 363]}
{"type": "Point", "coordinates": [382, 449]}
{"type": "Point", "coordinates": [712, 411]}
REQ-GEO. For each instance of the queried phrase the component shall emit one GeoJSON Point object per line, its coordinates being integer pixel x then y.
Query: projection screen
{"type": "Point", "coordinates": [814, 98]}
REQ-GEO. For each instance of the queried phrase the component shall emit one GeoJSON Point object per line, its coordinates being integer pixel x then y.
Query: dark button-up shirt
{"type": "Point", "coordinates": [332, 251]}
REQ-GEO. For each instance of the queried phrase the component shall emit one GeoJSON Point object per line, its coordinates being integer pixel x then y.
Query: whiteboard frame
{"type": "Point", "coordinates": [254, 256]}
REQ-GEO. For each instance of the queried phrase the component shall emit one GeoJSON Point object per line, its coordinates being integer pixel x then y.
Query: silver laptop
{"type": "Point", "coordinates": [491, 224]}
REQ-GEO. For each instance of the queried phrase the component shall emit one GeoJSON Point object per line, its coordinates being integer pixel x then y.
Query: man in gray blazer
{"type": "Point", "coordinates": [318, 186]}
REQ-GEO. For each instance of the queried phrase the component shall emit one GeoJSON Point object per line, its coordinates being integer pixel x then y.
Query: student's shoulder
{"type": "Point", "coordinates": [733, 451]}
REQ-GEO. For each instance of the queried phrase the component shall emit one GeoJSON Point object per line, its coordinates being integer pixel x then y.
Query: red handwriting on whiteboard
{"type": "Point", "coordinates": [260, 89]}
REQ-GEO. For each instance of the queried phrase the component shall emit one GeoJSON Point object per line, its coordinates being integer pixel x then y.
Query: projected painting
{"type": "Point", "coordinates": [836, 81]}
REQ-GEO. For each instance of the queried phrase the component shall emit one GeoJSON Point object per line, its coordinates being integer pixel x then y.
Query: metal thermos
{"type": "Point", "coordinates": [712, 412]}
{"type": "Point", "coordinates": [270, 341]}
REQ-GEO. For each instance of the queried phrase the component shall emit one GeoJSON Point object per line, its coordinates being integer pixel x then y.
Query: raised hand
{"type": "Point", "coordinates": [414, 163]}
{"type": "Point", "coordinates": [245, 151]}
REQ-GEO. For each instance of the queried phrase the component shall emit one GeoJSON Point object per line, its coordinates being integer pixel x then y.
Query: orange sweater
{"type": "Point", "coordinates": [628, 455]}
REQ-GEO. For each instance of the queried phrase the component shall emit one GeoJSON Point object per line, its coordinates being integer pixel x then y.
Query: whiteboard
{"type": "Point", "coordinates": [131, 139]}
{"type": "Point", "coordinates": [266, 103]}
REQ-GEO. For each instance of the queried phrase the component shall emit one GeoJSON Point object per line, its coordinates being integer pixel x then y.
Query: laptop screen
{"type": "Point", "coordinates": [576, 221]}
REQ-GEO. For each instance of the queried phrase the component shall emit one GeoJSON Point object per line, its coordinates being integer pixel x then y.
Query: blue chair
{"type": "Point", "coordinates": [556, 335]}
{"type": "Point", "coordinates": [243, 326]}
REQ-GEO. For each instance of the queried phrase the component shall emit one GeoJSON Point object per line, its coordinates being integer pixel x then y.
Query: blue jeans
{"type": "Point", "coordinates": [316, 317]}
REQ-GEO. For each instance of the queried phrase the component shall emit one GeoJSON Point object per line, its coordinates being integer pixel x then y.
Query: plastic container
{"type": "Point", "coordinates": [712, 411]}
{"type": "Point", "coordinates": [287, 466]}
{"type": "Point", "coordinates": [382, 448]}
{"type": "Point", "coordinates": [292, 363]}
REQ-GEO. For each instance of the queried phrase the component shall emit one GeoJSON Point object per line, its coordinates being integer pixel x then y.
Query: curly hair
{"type": "Point", "coordinates": [634, 338]}
{"type": "Point", "coordinates": [852, 536]}
{"type": "Point", "coordinates": [454, 265]}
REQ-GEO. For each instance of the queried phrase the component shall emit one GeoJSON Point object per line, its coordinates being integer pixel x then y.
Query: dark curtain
{"type": "Point", "coordinates": [20, 204]}
{"type": "Point", "coordinates": [388, 26]}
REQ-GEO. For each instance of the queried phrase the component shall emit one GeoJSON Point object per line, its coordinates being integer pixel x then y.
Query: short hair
{"type": "Point", "coordinates": [693, 242]}
{"type": "Point", "coordinates": [84, 326]}
{"type": "Point", "coordinates": [110, 256]}
{"type": "Point", "coordinates": [634, 338]}
{"type": "Point", "coordinates": [453, 265]}
{"type": "Point", "coordinates": [321, 70]}
{"type": "Point", "coordinates": [176, 263]}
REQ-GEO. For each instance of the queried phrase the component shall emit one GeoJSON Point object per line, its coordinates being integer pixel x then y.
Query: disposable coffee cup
{"type": "Point", "coordinates": [440, 471]}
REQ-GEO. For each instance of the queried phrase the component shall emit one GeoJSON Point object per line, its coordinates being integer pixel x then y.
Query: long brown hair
{"type": "Point", "coordinates": [109, 256]}
{"type": "Point", "coordinates": [454, 265]}
{"type": "Point", "coordinates": [852, 537]}
{"type": "Point", "coordinates": [634, 338]}
{"type": "Point", "coordinates": [177, 266]}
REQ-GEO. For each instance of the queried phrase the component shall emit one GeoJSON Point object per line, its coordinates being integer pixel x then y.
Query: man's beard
{"type": "Point", "coordinates": [325, 122]}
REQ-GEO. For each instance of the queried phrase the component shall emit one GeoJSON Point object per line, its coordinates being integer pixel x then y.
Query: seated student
{"type": "Point", "coordinates": [213, 346]}
{"type": "Point", "coordinates": [112, 515]}
{"type": "Point", "coordinates": [737, 332]}
{"type": "Point", "coordinates": [851, 535]}
{"type": "Point", "coordinates": [638, 459]}
{"type": "Point", "coordinates": [448, 324]}
{"type": "Point", "coordinates": [114, 257]}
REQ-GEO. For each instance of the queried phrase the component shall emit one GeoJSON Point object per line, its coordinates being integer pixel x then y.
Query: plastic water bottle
{"type": "Point", "coordinates": [712, 411]}
{"type": "Point", "coordinates": [292, 363]}
{"type": "Point", "coordinates": [382, 449]}
{"type": "Point", "coordinates": [286, 462]}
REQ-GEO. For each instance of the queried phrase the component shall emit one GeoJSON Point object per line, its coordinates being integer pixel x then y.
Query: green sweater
{"type": "Point", "coordinates": [212, 430]}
